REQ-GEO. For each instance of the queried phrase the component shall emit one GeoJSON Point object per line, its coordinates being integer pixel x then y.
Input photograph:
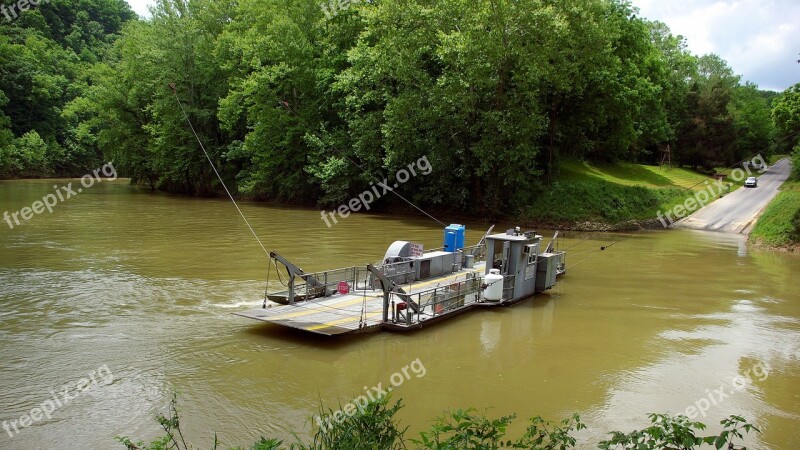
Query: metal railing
{"type": "Point", "coordinates": [561, 266]}
{"type": "Point", "coordinates": [480, 254]}
{"type": "Point", "coordinates": [437, 301]}
{"type": "Point", "coordinates": [328, 281]}
{"type": "Point", "coordinates": [400, 272]}
{"type": "Point", "coordinates": [359, 278]}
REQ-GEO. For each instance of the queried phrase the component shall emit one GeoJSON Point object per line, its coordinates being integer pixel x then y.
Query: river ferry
{"type": "Point", "coordinates": [410, 287]}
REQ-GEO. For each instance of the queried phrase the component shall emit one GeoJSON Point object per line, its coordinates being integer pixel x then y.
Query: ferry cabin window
{"type": "Point", "coordinates": [530, 250]}
{"type": "Point", "coordinates": [497, 258]}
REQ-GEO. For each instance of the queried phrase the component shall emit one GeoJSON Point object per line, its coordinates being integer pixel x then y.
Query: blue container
{"type": "Point", "coordinates": [454, 238]}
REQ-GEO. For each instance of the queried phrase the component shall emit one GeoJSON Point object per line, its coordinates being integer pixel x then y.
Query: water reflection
{"type": "Point", "coordinates": [491, 333]}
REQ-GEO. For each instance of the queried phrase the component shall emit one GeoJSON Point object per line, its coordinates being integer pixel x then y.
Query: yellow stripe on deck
{"type": "Point", "coordinates": [342, 314]}
{"type": "Point", "coordinates": [335, 323]}
{"type": "Point", "coordinates": [316, 307]}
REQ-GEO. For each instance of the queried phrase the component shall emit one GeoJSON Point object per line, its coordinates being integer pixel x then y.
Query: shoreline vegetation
{"type": "Point", "coordinates": [299, 106]}
{"type": "Point", "coordinates": [627, 197]}
{"type": "Point", "coordinates": [375, 427]}
{"type": "Point", "coordinates": [510, 130]}
{"type": "Point", "coordinates": [778, 228]}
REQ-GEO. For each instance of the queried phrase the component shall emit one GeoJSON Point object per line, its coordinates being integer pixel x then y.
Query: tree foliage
{"type": "Point", "coordinates": [786, 115]}
{"type": "Point", "coordinates": [45, 55]}
{"type": "Point", "coordinates": [295, 105]}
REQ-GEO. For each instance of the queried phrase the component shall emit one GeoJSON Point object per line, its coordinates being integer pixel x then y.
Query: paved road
{"type": "Point", "coordinates": [737, 212]}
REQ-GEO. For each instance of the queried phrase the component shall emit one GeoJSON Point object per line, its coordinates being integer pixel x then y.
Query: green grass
{"type": "Point", "coordinates": [612, 194]}
{"type": "Point", "coordinates": [627, 174]}
{"type": "Point", "coordinates": [780, 224]}
{"type": "Point", "coordinates": [600, 201]}
{"type": "Point", "coordinates": [775, 158]}
{"type": "Point", "coordinates": [617, 193]}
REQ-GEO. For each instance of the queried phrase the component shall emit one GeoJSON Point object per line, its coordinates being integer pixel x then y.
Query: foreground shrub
{"type": "Point", "coordinates": [678, 433]}
{"type": "Point", "coordinates": [374, 427]}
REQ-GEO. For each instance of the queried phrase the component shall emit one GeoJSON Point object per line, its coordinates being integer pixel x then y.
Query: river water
{"type": "Point", "coordinates": [133, 292]}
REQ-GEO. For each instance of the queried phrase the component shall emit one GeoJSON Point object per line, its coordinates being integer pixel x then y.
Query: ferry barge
{"type": "Point", "coordinates": [411, 288]}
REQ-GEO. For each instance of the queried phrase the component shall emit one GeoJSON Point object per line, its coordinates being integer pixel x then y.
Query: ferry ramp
{"type": "Point", "coordinates": [356, 312]}
{"type": "Point", "coordinates": [330, 316]}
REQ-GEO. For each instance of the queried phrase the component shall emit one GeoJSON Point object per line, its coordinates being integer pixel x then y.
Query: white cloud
{"type": "Point", "coordinates": [140, 7]}
{"type": "Point", "coordinates": [759, 39]}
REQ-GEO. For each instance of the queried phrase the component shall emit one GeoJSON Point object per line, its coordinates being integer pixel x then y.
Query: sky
{"type": "Point", "coordinates": [760, 39]}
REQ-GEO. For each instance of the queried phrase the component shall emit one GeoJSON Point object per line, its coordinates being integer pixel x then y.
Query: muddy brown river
{"type": "Point", "coordinates": [120, 297]}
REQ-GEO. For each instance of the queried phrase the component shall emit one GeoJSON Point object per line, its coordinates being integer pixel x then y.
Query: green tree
{"type": "Point", "coordinates": [786, 116]}
{"type": "Point", "coordinates": [45, 55]}
{"type": "Point", "coordinates": [708, 136]}
{"type": "Point", "coordinates": [754, 127]}
{"type": "Point", "coordinates": [273, 105]}
{"type": "Point", "coordinates": [6, 138]}
{"type": "Point", "coordinates": [675, 65]}
{"type": "Point", "coordinates": [297, 106]}
{"type": "Point", "coordinates": [133, 113]}
{"type": "Point", "coordinates": [28, 156]}
{"type": "Point", "coordinates": [430, 80]}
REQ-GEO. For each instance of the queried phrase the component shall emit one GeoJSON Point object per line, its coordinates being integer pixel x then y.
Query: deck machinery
{"type": "Point", "coordinates": [410, 288]}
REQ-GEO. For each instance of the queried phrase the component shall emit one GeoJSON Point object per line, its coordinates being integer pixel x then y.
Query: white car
{"type": "Point", "coordinates": [751, 182]}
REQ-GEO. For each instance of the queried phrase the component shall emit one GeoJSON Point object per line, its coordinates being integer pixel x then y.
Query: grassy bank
{"type": "Point", "coordinates": [590, 194]}
{"type": "Point", "coordinates": [779, 226]}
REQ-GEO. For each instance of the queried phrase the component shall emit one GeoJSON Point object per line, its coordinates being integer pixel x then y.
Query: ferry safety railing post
{"type": "Point", "coordinates": [419, 310]}
{"type": "Point", "coordinates": [398, 313]}
{"type": "Point", "coordinates": [409, 313]}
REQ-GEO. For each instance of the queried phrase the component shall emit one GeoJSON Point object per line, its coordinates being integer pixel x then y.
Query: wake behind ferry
{"type": "Point", "coordinates": [411, 288]}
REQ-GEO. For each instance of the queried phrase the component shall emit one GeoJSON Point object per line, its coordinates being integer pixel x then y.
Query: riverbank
{"type": "Point", "coordinates": [778, 228]}
{"type": "Point", "coordinates": [620, 197]}
{"type": "Point", "coordinates": [587, 197]}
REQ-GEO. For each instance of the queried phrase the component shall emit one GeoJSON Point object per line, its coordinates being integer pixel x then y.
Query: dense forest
{"type": "Point", "coordinates": [305, 102]}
